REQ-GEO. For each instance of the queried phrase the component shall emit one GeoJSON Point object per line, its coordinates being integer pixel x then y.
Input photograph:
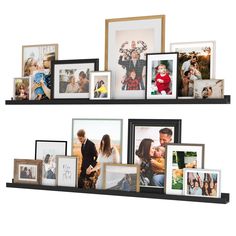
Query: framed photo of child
{"type": "Point", "coordinates": [100, 85]}
{"type": "Point", "coordinates": [21, 88]}
{"type": "Point", "coordinates": [161, 76]}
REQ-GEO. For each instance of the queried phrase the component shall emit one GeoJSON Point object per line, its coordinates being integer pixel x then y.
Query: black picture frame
{"type": "Point", "coordinates": [85, 95]}
{"type": "Point", "coordinates": [161, 123]}
{"type": "Point", "coordinates": [164, 58]}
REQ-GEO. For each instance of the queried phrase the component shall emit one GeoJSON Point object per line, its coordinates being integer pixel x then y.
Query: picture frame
{"type": "Point", "coordinates": [100, 85]}
{"type": "Point", "coordinates": [178, 157]}
{"type": "Point", "coordinates": [127, 40]}
{"type": "Point", "coordinates": [146, 141]}
{"type": "Point", "coordinates": [202, 183]}
{"type": "Point", "coordinates": [37, 64]}
{"type": "Point", "coordinates": [47, 150]}
{"type": "Point", "coordinates": [209, 89]}
{"type": "Point", "coordinates": [161, 75]}
{"type": "Point", "coordinates": [89, 137]}
{"type": "Point", "coordinates": [67, 171]}
{"type": "Point", "coordinates": [71, 78]}
{"type": "Point", "coordinates": [28, 171]}
{"type": "Point", "coordinates": [21, 88]}
{"type": "Point", "coordinates": [121, 177]}
{"type": "Point", "coordinates": [196, 61]}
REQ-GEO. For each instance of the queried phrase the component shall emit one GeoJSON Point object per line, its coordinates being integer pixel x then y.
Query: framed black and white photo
{"type": "Point", "coordinates": [178, 157]}
{"type": "Point", "coordinates": [67, 171]}
{"type": "Point", "coordinates": [47, 150]}
{"type": "Point", "coordinates": [100, 85]}
{"type": "Point", "coordinates": [161, 75]}
{"type": "Point", "coordinates": [147, 139]}
{"type": "Point", "coordinates": [71, 78]}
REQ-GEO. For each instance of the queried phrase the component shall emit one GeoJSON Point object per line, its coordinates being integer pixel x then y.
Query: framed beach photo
{"type": "Point", "coordinates": [37, 64]}
{"type": "Point", "coordinates": [146, 147]}
{"type": "Point", "coordinates": [121, 177]}
{"type": "Point", "coordinates": [196, 62]}
{"type": "Point", "coordinates": [202, 183]}
{"type": "Point", "coordinates": [21, 88]}
{"type": "Point", "coordinates": [67, 171]}
{"type": "Point", "coordinates": [178, 157]}
{"type": "Point", "coordinates": [100, 85]}
{"type": "Point", "coordinates": [209, 89]}
{"type": "Point", "coordinates": [127, 40]}
{"type": "Point", "coordinates": [47, 150]}
{"type": "Point", "coordinates": [95, 142]}
{"type": "Point", "coordinates": [71, 77]}
{"type": "Point", "coordinates": [161, 75]}
{"type": "Point", "coordinates": [27, 171]}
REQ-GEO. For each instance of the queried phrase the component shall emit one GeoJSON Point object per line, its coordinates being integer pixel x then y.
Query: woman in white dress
{"type": "Point", "coordinates": [107, 154]}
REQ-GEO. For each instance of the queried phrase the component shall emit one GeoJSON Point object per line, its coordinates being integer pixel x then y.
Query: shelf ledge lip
{"type": "Point", "coordinates": [225, 100]}
{"type": "Point", "coordinates": [223, 200]}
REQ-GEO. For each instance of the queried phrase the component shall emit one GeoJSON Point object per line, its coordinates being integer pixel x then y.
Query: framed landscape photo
{"type": "Point", "coordinates": [95, 142]}
{"type": "Point", "coordinates": [71, 78]}
{"type": "Point", "coordinates": [67, 171]}
{"type": "Point", "coordinates": [122, 177]}
{"type": "Point", "coordinates": [47, 150]}
{"type": "Point", "coordinates": [202, 183]}
{"type": "Point", "coordinates": [209, 89]}
{"type": "Point", "coordinates": [147, 139]}
{"type": "Point", "coordinates": [196, 62]}
{"type": "Point", "coordinates": [178, 157]}
{"type": "Point", "coordinates": [127, 40]}
{"type": "Point", "coordinates": [100, 85]}
{"type": "Point", "coordinates": [37, 64]}
{"type": "Point", "coordinates": [27, 171]}
{"type": "Point", "coordinates": [21, 88]}
{"type": "Point", "coordinates": [161, 73]}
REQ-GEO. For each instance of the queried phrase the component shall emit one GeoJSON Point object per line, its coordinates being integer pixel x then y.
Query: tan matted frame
{"type": "Point", "coordinates": [37, 163]}
{"type": "Point", "coordinates": [123, 165]}
{"type": "Point", "coordinates": [37, 45]}
{"type": "Point", "coordinates": [153, 17]}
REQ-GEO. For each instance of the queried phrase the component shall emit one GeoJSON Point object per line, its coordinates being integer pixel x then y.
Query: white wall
{"type": "Point", "coordinates": [78, 27]}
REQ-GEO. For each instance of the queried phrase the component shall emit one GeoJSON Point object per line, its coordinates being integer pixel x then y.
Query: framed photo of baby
{"type": "Point", "coordinates": [127, 40]}
{"type": "Point", "coordinates": [37, 64]}
{"type": "Point", "coordinates": [161, 75]}
{"type": "Point", "coordinates": [147, 147]}
{"type": "Point", "coordinates": [196, 62]}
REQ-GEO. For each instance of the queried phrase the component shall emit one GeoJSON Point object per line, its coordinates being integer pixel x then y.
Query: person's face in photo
{"type": "Point", "coordinates": [81, 139]}
{"type": "Point", "coordinates": [152, 150]}
{"type": "Point", "coordinates": [134, 55]}
{"type": "Point", "coordinates": [46, 63]}
{"type": "Point", "coordinates": [164, 139]}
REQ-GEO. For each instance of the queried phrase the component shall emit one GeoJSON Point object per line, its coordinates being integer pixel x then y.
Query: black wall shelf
{"type": "Point", "coordinates": [223, 200]}
{"type": "Point", "coordinates": [225, 100]}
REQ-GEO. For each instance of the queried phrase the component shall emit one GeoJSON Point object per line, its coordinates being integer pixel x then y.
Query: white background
{"type": "Point", "coordinates": [79, 29]}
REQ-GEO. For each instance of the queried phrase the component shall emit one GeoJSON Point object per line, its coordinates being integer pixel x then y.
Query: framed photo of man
{"type": "Point", "coordinates": [147, 140]}
{"type": "Point", "coordinates": [127, 40]}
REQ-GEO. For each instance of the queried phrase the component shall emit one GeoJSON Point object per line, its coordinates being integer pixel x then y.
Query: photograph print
{"type": "Point", "coordinates": [202, 183]}
{"type": "Point", "coordinates": [47, 150]}
{"type": "Point", "coordinates": [128, 40]}
{"type": "Point", "coordinates": [37, 64]}
{"type": "Point", "coordinates": [21, 88]}
{"type": "Point", "coordinates": [95, 142]}
{"type": "Point", "coordinates": [161, 75]}
{"type": "Point", "coordinates": [121, 177]}
{"type": "Point", "coordinates": [178, 157]}
{"type": "Point", "coordinates": [27, 171]}
{"type": "Point", "coordinates": [147, 147]}
{"type": "Point", "coordinates": [71, 78]}
{"type": "Point", "coordinates": [196, 62]}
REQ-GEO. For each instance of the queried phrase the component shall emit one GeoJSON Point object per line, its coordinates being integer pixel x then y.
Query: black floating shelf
{"type": "Point", "coordinates": [225, 100]}
{"type": "Point", "coordinates": [223, 200]}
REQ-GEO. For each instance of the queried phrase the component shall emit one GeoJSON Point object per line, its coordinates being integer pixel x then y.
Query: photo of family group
{"type": "Point", "coordinates": [27, 172]}
{"type": "Point", "coordinates": [95, 142]}
{"type": "Point", "coordinates": [202, 183]}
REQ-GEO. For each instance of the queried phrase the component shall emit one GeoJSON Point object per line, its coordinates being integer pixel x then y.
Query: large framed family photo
{"type": "Point", "coordinates": [95, 142]}
{"type": "Point", "coordinates": [71, 77]}
{"type": "Point", "coordinates": [196, 62]}
{"type": "Point", "coordinates": [37, 64]}
{"type": "Point", "coordinates": [146, 147]}
{"type": "Point", "coordinates": [127, 41]}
